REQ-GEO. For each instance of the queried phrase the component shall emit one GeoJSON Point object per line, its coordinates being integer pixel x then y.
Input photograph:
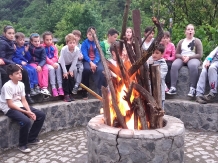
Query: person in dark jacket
{"type": "Point", "coordinates": [22, 57]}
{"type": "Point", "coordinates": [7, 49]}
{"type": "Point", "coordinates": [38, 61]}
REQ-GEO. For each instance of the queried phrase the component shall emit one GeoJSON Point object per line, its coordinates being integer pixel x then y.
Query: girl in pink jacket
{"type": "Point", "coordinates": [169, 55]}
{"type": "Point", "coordinates": [54, 68]}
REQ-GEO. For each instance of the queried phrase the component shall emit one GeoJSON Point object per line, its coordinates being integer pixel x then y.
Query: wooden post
{"type": "Point", "coordinates": [106, 106]}
{"type": "Point", "coordinates": [120, 117]}
{"type": "Point", "coordinates": [156, 88]}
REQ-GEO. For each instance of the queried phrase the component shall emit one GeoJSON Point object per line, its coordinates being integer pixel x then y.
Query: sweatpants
{"type": "Point", "coordinates": [55, 74]}
{"type": "Point", "coordinates": [32, 73]}
{"type": "Point", "coordinates": [42, 75]}
{"type": "Point", "coordinates": [68, 83]}
{"type": "Point", "coordinates": [192, 64]}
{"type": "Point", "coordinates": [211, 75]}
{"type": "Point", "coordinates": [78, 73]}
{"type": "Point", "coordinates": [98, 76]}
{"type": "Point", "coordinates": [26, 134]}
{"type": "Point", "coordinates": [25, 78]}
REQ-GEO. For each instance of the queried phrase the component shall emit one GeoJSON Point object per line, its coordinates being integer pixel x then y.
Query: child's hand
{"type": "Point", "coordinates": [2, 62]}
{"type": "Point", "coordinates": [55, 65]}
{"type": "Point", "coordinates": [38, 68]}
{"type": "Point", "coordinates": [93, 66]}
{"type": "Point", "coordinates": [31, 115]}
{"type": "Point", "coordinates": [186, 59]}
{"type": "Point", "coordinates": [26, 48]}
{"type": "Point", "coordinates": [23, 63]}
{"type": "Point", "coordinates": [65, 75]}
{"type": "Point", "coordinates": [207, 64]}
{"type": "Point", "coordinates": [71, 73]}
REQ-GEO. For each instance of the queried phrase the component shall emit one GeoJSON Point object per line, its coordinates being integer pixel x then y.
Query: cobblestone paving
{"type": "Point", "coordinates": [69, 146]}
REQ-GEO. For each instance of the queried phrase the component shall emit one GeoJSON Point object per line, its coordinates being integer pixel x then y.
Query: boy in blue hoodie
{"type": "Point", "coordinates": [92, 63]}
{"type": "Point", "coordinates": [22, 57]}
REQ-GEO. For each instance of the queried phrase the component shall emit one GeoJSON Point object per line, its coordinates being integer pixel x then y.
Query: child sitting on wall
{"type": "Point", "coordinates": [68, 59]}
{"type": "Point", "coordinates": [54, 69]}
{"type": "Point", "coordinates": [14, 105]}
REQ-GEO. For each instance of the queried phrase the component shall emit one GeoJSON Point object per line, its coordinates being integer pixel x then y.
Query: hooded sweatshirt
{"type": "Point", "coordinates": [21, 55]}
{"type": "Point", "coordinates": [38, 55]}
{"type": "Point", "coordinates": [51, 54]}
{"type": "Point", "coordinates": [6, 50]}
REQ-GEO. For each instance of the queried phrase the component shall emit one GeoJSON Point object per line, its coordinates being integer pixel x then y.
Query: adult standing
{"type": "Point", "coordinates": [188, 52]}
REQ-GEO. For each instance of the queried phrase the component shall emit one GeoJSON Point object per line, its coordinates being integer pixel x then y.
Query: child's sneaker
{"type": "Point", "coordinates": [37, 89]}
{"type": "Point", "coordinates": [60, 91]}
{"type": "Point", "coordinates": [45, 91]}
{"type": "Point", "coordinates": [24, 149]}
{"type": "Point", "coordinates": [209, 97]}
{"type": "Point", "coordinates": [75, 89]}
{"type": "Point", "coordinates": [172, 91]}
{"type": "Point", "coordinates": [54, 92]}
{"type": "Point", "coordinates": [35, 142]}
{"type": "Point", "coordinates": [67, 98]}
{"type": "Point", "coordinates": [191, 92]}
{"type": "Point", "coordinates": [33, 92]}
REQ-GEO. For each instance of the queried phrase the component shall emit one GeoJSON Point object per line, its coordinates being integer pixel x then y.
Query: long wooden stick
{"type": "Point", "coordinates": [106, 106]}
{"type": "Point", "coordinates": [120, 117]}
{"type": "Point", "coordinates": [90, 91]}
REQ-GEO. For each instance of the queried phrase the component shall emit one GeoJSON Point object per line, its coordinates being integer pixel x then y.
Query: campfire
{"type": "Point", "coordinates": [130, 101]}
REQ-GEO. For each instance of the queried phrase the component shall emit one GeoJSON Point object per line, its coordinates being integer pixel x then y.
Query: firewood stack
{"type": "Point", "coordinates": [143, 99]}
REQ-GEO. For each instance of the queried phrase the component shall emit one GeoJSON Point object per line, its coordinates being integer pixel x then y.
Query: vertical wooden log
{"type": "Point", "coordinates": [136, 119]}
{"type": "Point", "coordinates": [106, 106]}
{"type": "Point", "coordinates": [136, 17]}
{"type": "Point", "coordinates": [141, 113]}
{"type": "Point", "coordinates": [156, 84]}
{"type": "Point", "coordinates": [120, 117]}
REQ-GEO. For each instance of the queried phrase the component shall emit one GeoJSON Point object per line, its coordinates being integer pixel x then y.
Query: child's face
{"type": "Point", "coordinates": [36, 41]}
{"type": "Point", "coordinates": [165, 40]}
{"type": "Point", "coordinates": [9, 34]}
{"type": "Point", "coordinates": [128, 33]}
{"type": "Point", "coordinates": [150, 36]}
{"type": "Point", "coordinates": [89, 36]}
{"type": "Point", "coordinates": [112, 38]}
{"type": "Point", "coordinates": [20, 41]}
{"type": "Point", "coordinates": [16, 76]}
{"type": "Point", "coordinates": [48, 40]}
{"type": "Point", "coordinates": [124, 54]}
{"type": "Point", "coordinates": [71, 44]}
{"type": "Point", "coordinates": [77, 38]}
{"type": "Point", "coordinates": [157, 55]}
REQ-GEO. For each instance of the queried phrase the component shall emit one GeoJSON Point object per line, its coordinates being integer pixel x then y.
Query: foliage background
{"type": "Point", "coordinates": [62, 16]}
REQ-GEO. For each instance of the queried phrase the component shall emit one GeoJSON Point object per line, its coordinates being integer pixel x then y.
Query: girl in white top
{"type": "Point", "coordinates": [149, 39]}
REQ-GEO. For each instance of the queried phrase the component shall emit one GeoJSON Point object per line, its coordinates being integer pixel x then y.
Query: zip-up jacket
{"type": "Point", "coordinates": [85, 51]}
{"type": "Point", "coordinates": [6, 50]}
{"type": "Point", "coordinates": [38, 55]}
{"type": "Point", "coordinates": [21, 55]}
{"type": "Point", "coordinates": [51, 54]}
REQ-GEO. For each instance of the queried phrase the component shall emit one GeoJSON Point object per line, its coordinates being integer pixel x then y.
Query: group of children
{"type": "Point", "coordinates": [36, 64]}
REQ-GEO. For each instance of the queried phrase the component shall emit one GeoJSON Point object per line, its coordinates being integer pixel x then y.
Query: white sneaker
{"type": "Point", "coordinates": [24, 149]}
{"type": "Point", "coordinates": [45, 92]}
{"type": "Point", "coordinates": [191, 92]}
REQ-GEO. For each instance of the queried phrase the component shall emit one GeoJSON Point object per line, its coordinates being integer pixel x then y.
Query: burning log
{"type": "Point", "coordinates": [148, 53]}
{"type": "Point", "coordinates": [110, 84]}
{"type": "Point", "coordinates": [141, 114]}
{"type": "Point", "coordinates": [113, 68]}
{"type": "Point", "coordinates": [106, 106]}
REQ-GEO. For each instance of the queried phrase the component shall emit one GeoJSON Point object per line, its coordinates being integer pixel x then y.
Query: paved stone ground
{"type": "Point", "coordinates": [69, 146]}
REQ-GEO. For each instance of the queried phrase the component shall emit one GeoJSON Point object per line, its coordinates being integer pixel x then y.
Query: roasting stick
{"type": "Point", "coordinates": [90, 91]}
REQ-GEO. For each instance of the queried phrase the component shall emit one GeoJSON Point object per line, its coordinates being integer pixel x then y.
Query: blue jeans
{"type": "Point", "coordinates": [98, 76]}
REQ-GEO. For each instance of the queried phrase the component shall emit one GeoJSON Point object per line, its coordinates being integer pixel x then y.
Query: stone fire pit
{"type": "Point", "coordinates": [109, 145]}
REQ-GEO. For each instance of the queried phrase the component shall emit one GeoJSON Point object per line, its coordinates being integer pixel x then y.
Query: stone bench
{"type": "Point", "coordinates": [59, 115]}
